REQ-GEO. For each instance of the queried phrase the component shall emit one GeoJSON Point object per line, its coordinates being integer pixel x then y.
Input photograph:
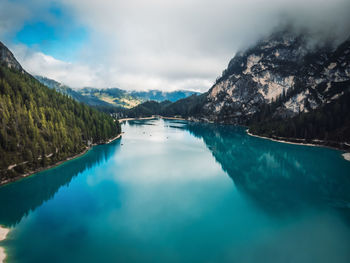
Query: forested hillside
{"type": "Point", "coordinates": [39, 126]}
{"type": "Point", "coordinates": [147, 109]}
{"type": "Point", "coordinates": [330, 124]}
{"type": "Point", "coordinates": [186, 108]}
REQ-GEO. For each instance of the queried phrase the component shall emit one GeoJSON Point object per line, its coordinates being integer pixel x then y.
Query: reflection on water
{"type": "Point", "coordinates": [279, 177]}
{"type": "Point", "coordinates": [173, 191]}
{"type": "Point", "coordinates": [18, 199]}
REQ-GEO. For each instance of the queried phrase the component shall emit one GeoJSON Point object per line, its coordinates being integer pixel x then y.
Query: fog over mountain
{"type": "Point", "coordinates": [157, 44]}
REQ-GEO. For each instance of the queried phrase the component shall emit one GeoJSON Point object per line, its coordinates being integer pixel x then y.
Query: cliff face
{"type": "Point", "coordinates": [8, 59]}
{"type": "Point", "coordinates": [281, 69]}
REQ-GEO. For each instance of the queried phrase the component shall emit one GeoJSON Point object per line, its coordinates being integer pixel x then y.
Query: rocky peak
{"type": "Point", "coordinates": [8, 59]}
{"type": "Point", "coordinates": [283, 68]}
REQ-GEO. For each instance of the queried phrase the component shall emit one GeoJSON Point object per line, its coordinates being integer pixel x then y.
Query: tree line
{"type": "Point", "coordinates": [39, 126]}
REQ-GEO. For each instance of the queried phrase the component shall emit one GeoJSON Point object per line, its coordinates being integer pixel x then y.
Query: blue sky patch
{"type": "Point", "coordinates": [55, 33]}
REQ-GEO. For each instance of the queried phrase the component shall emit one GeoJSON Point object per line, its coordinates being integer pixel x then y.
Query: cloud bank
{"type": "Point", "coordinates": [184, 44]}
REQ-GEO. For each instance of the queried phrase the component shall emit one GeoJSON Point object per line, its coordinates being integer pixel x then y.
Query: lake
{"type": "Point", "coordinates": [176, 191]}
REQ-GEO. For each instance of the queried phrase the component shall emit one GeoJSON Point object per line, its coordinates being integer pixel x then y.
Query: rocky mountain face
{"type": "Point", "coordinates": [283, 70]}
{"type": "Point", "coordinates": [8, 59]}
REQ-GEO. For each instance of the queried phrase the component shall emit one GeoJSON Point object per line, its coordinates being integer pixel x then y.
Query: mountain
{"type": "Point", "coordinates": [7, 59]}
{"type": "Point", "coordinates": [61, 88]}
{"type": "Point", "coordinates": [186, 108]}
{"type": "Point", "coordinates": [147, 108]}
{"type": "Point", "coordinates": [130, 99]}
{"type": "Point", "coordinates": [39, 126]}
{"type": "Point", "coordinates": [285, 89]}
{"type": "Point", "coordinates": [282, 87]}
{"type": "Point", "coordinates": [281, 70]}
{"type": "Point", "coordinates": [190, 107]}
{"type": "Point", "coordinates": [111, 97]}
{"type": "Point", "coordinates": [327, 125]}
{"type": "Point", "coordinates": [158, 95]}
{"type": "Point", "coordinates": [114, 97]}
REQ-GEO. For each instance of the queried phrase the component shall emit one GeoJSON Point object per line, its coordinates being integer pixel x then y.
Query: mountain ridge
{"type": "Point", "coordinates": [280, 67]}
{"type": "Point", "coordinates": [114, 96]}
{"type": "Point", "coordinates": [8, 59]}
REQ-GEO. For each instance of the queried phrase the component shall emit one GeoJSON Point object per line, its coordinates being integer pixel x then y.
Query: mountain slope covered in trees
{"type": "Point", "coordinates": [327, 125]}
{"type": "Point", "coordinates": [184, 108]}
{"type": "Point", "coordinates": [39, 126]}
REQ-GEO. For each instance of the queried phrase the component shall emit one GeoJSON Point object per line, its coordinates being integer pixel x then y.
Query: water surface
{"type": "Point", "coordinates": [172, 191]}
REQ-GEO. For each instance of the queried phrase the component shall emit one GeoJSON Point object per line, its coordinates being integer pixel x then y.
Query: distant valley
{"type": "Point", "coordinates": [115, 97]}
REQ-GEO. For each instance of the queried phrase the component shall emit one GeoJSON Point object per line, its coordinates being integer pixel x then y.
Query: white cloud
{"type": "Point", "coordinates": [78, 75]}
{"type": "Point", "coordinates": [38, 63]}
{"type": "Point", "coordinates": [183, 44]}
{"type": "Point", "coordinates": [12, 16]}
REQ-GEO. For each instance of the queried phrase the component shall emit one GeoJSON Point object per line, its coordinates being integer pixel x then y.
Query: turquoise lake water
{"type": "Point", "coordinates": [173, 191]}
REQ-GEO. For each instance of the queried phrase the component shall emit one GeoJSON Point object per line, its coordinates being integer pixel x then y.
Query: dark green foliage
{"type": "Point", "coordinates": [188, 107]}
{"type": "Point", "coordinates": [39, 126]}
{"type": "Point", "coordinates": [330, 123]}
{"type": "Point", "coordinates": [147, 108]}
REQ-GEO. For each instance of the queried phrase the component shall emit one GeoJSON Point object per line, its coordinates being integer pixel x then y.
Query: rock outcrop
{"type": "Point", "coordinates": [281, 69]}
{"type": "Point", "coordinates": [8, 59]}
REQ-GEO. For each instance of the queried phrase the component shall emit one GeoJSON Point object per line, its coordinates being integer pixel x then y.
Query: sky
{"type": "Point", "coordinates": [152, 44]}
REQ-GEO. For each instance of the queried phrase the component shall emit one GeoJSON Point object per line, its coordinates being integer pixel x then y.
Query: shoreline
{"type": "Point", "coordinates": [173, 118]}
{"type": "Point", "coordinates": [345, 155]}
{"type": "Point", "coordinates": [28, 174]}
{"type": "Point", "coordinates": [112, 140]}
{"type": "Point", "coordinates": [40, 169]}
{"type": "Point", "coordinates": [3, 233]}
{"type": "Point", "coordinates": [135, 119]}
{"type": "Point", "coordinates": [151, 118]}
